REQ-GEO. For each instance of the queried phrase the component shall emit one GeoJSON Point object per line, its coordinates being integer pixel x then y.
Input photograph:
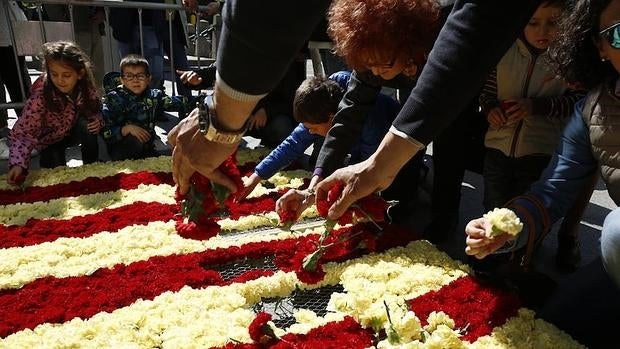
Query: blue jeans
{"type": "Point", "coordinates": [610, 245]}
{"type": "Point", "coordinates": [153, 52]}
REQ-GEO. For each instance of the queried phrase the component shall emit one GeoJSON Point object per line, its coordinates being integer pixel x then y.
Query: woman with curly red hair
{"type": "Point", "coordinates": [385, 42]}
{"type": "Point", "coordinates": [385, 37]}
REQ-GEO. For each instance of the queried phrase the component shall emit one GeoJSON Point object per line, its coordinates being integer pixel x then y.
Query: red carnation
{"type": "Point", "coordinates": [260, 331]}
{"type": "Point", "coordinates": [287, 218]}
{"type": "Point", "coordinates": [205, 200]}
{"type": "Point", "coordinates": [323, 205]}
{"type": "Point", "coordinates": [203, 231]}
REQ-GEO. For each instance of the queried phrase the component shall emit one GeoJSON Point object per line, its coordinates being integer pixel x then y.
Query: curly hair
{"type": "Point", "coordinates": [574, 50]}
{"type": "Point", "coordinates": [366, 28]}
{"type": "Point", "coordinates": [71, 55]}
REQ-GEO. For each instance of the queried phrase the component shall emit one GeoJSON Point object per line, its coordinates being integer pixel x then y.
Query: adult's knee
{"type": "Point", "coordinates": [610, 245]}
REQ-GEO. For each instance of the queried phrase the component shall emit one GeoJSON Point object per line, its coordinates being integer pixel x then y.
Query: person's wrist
{"type": "Point", "coordinates": [309, 192]}
{"type": "Point", "coordinates": [231, 114]}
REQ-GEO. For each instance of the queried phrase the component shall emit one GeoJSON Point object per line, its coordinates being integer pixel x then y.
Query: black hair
{"type": "Point", "coordinates": [575, 50]}
{"type": "Point", "coordinates": [316, 100]}
{"type": "Point", "coordinates": [134, 60]}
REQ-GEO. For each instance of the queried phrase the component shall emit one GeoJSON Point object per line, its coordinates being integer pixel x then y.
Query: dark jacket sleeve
{"type": "Point", "coordinates": [474, 38]}
{"type": "Point", "coordinates": [361, 95]}
{"type": "Point", "coordinates": [261, 38]}
{"type": "Point", "coordinates": [569, 170]}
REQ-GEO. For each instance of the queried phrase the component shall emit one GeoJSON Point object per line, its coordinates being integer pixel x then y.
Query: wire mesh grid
{"type": "Point", "coordinates": [282, 309]}
{"type": "Point", "coordinates": [231, 270]}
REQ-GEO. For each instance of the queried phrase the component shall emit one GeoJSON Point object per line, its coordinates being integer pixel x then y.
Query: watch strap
{"type": "Point", "coordinates": [208, 125]}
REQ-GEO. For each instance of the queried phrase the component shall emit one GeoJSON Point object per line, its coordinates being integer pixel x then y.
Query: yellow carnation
{"type": "Point", "coordinates": [503, 220]}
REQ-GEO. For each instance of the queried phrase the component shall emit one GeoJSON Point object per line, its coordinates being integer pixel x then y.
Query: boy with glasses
{"type": "Point", "coordinates": [130, 111]}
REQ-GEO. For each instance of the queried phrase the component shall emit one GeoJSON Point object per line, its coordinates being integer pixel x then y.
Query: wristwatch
{"type": "Point", "coordinates": [207, 121]}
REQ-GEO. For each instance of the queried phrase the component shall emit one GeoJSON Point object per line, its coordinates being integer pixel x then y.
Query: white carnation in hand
{"type": "Point", "coordinates": [503, 221]}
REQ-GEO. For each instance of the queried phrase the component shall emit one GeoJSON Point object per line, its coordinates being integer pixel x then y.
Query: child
{"type": "Point", "coordinates": [588, 53]}
{"type": "Point", "coordinates": [63, 109]}
{"type": "Point", "coordinates": [526, 107]}
{"type": "Point", "coordinates": [130, 111]}
{"type": "Point", "coordinates": [272, 118]}
{"type": "Point", "coordinates": [315, 104]}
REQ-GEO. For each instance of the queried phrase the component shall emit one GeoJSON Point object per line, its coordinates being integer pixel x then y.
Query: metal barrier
{"type": "Point", "coordinates": [28, 36]}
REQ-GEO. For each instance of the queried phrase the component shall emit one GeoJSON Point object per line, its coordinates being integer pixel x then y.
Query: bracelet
{"type": "Point", "coordinates": [310, 191]}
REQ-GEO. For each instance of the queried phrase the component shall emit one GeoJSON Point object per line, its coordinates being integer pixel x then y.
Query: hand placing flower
{"type": "Point", "coordinates": [204, 201]}
{"type": "Point", "coordinates": [370, 208]}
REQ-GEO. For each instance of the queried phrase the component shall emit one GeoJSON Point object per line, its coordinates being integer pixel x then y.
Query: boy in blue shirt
{"type": "Point", "coordinates": [316, 102]}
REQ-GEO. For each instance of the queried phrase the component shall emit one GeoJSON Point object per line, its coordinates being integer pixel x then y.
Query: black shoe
{"type": "Point", "coordinates": [568, 255]}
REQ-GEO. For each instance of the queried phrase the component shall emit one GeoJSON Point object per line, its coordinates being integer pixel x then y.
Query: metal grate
{"type": "Point", "coordinates": [282, 309]}
{"type": "Point", "coordinates": [233, 269]}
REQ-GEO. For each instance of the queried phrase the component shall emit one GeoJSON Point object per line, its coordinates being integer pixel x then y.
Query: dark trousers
{"type": "Point", "coordinates": [54, 154]}
{"type": "Point", "coordinates": [458, 147]}
{"type": "Point", "coordinates": [405, 186]}
{"type": "Point", "coordinates": [10, 79]}
{"type": "Point", "coordinates": [506, 177]}
{"type": "Point", "coordinates": [130, 148]}
{"type": "Point", "coordinates": [277, 128]}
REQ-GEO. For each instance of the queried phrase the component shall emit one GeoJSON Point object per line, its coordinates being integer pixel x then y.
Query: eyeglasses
{"type": "Point", "coordinates": [612, 35]}
{"type": "Point", "coordinates": [389, 65]}
{"type": "Point", "coordinates": [139, 77]}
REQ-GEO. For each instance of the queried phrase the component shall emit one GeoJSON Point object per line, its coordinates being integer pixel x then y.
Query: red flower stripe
{"type": "Point", "coordinates": [250, 206]}
{"type": "Point", "coordinates": [334, 335]}
{"type": "Point", "coordinates": [471, 304]}
{"type": "Point", "coordinates": [57, 300]}
{"type": "Point", "coordinates": [37, 231]}
{"type": "Point", "coordinates": [87, 186]}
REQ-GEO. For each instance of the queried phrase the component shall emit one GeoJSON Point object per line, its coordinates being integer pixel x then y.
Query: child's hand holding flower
{"type": "Point", "coordinates": [488, 234]}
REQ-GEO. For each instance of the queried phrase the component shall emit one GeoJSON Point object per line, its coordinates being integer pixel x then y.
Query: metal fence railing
{"type": "Point", "coordinates": [28, 36]}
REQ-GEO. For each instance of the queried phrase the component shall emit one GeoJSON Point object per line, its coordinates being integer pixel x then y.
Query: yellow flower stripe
{"type": "Point", "coordinates": [66, 257]}
{"type": "Point", "coordinates": [204, 317]}
{"type": "Point", "coordinates": [269, 219]}
{"type": "Point", "coordinates": [68, 207]}
{"type": "Point", "coordinates": [526, 331]}
{"type": "Point", "coordinates": [45, 177]}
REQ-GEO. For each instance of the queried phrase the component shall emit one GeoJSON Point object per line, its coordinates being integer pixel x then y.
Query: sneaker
{"type": "Point", "coordinates": [4, 149]}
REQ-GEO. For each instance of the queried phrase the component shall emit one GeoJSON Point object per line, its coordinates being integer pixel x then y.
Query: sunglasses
{"type": "Point", "coordinates": [612, 35]}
